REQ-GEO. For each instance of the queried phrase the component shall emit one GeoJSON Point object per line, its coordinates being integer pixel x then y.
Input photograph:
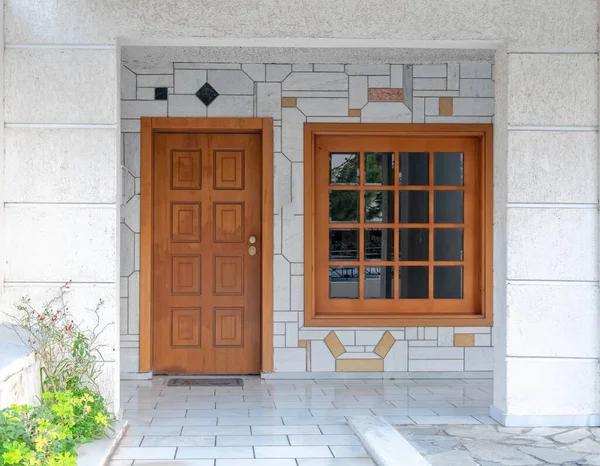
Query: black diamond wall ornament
{"type": "Point", "coordinates": [207, 94]}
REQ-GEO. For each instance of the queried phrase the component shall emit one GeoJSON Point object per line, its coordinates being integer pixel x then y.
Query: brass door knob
{"type": "Point", "coordinates": [252, 250]}
{"type": "Point", "coordinates": [252, 239]}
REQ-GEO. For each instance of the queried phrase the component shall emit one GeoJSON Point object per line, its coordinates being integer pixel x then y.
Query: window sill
{"type": "Point", "coordinates": [448, 320]}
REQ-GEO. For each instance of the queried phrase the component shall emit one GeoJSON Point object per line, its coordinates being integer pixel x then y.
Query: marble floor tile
{"type": "Point", "coordinates": [215, 452]}
{"type": "Point", "coordinates": [293, 452]}
{"type": "Point", "coordinates": [280, 422]}
{"type": "Point", "coordinates": [251, 440]}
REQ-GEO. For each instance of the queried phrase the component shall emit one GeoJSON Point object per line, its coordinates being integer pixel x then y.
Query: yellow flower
{"type": "Point", "coordinates": [87, 409]}
{"type": "Point", "coordinates": [32, 460]}
{"type": "Point", "coordinates": [87, 397]}
{"type": "Point", "coordinates": [101, 419]}
{"type": "Point", "coordinates": [41, 442]}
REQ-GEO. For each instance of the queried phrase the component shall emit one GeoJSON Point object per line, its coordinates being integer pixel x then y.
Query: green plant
{"type": "Point", "coordinates": [71, 410]}
{"type": "Point", "coordinates": [69, 352]}
{"type": "Point", "coordinates": [48, 434]}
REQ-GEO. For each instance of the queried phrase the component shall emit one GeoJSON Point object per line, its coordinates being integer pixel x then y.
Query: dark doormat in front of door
{"type": "Point", "coordinates": [205, 383]}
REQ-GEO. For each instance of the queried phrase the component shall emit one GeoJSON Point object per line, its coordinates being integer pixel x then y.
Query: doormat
{"type": "Point", "coordinates": [205, 383]}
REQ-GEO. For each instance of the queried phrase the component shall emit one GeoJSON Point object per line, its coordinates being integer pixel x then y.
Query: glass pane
{"type": "Point", "coordinates": [343, 282]}
{"type": "Point", "coordinates": [343, 206]}
{"type": "Point", "coordinates": [414, 244]}
{"type": "Point", "coordinates": [448, 207]}
{"type": "Point", "coordinates": [379, 282]}
{"type": "Point", "coordinates": [414, 206]}
{"type": "Point", "coordinates": [379, 244]}
{"type": "Point", "coordinates": [343, 245]}
{"type": "Point", "coordinates": [414, 282]}
{"type": "Point", "coordinates": [379, 206]}
{"type": "Point", "coordinates": [414, 169]}
{"type": "Point", "coordinates": [448, 282]}
{"type": "Point", "coordinates": [379, 168]}
{"type": "Point", "coordinates": [448, 169]}
{"type": "Point", "coordinates": [343, 168]}
{"type": "Point", "coordinates": [448, 244]}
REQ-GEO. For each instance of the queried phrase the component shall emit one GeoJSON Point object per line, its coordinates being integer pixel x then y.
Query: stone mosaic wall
{"type": "Point", "coordinates": [292, 94]}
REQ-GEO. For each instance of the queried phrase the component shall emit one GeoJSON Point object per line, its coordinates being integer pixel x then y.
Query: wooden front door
{"type": "Point", "coordinates": [206, 253]}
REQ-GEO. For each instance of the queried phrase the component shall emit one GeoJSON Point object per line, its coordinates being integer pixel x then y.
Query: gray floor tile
{"type": "Point", "coordinates": [144, 453]}
{"type": "Point", "coordinates": [345, 439]}
{"type": "Point", "coordinates": [337, 462]}
{"type": "Point", "coordinates": [178, 441]}
{"type": "Point", "coordinates": [257, 462]}
{"type": "Point", "coordinates": [293, 452]}
{"type": "Point", "coordinates": [285, 430]}
{"type": "Point", "coordinates": [216, 430]}
{"type": "Point", "coordinates": [215, 452]}
{"type": "Point", "coordinates": [174, 463]}
{"type": "Point", "coordinates": [249, 421]}
{"type": "Point", "coordinates": [251, 440]}
{"type": "Point", "coordinates": [131, 440]}
{"type": "Point", "coordinates": [279, 412]}
{"type": "Point", "coordinates": [353, 451]}
{"type": "Point", "coordinates": [217, 413]}
{"type": "Point", "coordinates": [335, 429]}
{"type": "Point", "coordinates": [186, 421]}
{"type": "Point", "coordinates": [137, 413]}
{"type": "Point", "coordinates": [444, 420]}
{"type": "Point", "coordinates": [300, 421]}
{"type": "Point", "coordinates": [404, 412]}
{"type": "Point", "coordinates": [142, 430]}
{"type": "Point", "coordinates": [304, 404]}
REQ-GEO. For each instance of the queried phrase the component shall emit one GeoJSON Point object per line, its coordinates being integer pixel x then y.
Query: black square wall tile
{"type": "Point", "coordinates": [160, 93]}
{"type": "Point", "coordinates": [207, 94]}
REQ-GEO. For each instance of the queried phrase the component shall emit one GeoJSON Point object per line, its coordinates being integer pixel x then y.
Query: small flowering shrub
{"type": "Point", "coordinates": [71, 410]}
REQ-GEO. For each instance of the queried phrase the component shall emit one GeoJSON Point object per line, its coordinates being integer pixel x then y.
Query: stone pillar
{"type": "Point", "coordinates": [546, 218]}
{"type": "Point", "coordinates": [60, 181]}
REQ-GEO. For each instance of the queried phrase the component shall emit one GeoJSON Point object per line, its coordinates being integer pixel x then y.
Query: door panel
{"type": "Point", "coordinates": [206, 303]}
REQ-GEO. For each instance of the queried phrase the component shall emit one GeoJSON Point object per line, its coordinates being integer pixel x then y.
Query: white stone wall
{"type": "Point", "coordinates": [60, 55]}
{"type": "Point", "coordinates": [293, 94]}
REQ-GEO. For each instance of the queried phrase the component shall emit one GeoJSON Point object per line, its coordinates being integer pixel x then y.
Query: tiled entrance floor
{"type": "Point", "coordinates": [282, 422]}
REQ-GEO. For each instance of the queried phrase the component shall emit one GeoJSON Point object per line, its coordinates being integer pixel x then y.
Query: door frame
{"type": "Point", "coordinates": [149, 126]}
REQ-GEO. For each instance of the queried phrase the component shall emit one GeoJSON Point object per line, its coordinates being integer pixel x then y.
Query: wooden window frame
{"type": "Point", "coordinates": [149, 126]}
{"type": "Point", "coordinates": [483, 133]}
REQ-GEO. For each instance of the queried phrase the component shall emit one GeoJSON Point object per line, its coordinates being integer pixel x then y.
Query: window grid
{"type": "Point", "coordinates": [361, 225]}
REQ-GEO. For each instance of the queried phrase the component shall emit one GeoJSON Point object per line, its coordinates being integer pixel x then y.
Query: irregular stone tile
{"type": "Point", "coordinates": [511, 430]}
{"type": "Point", "coordinates": [503, 454]}
{"type": "Point", "coordinates": [572, 436]}
{"type": "Point", "coordinates": [552, 455]}
{"type": "Point", "coordinates": [533, 440]}
{"type": "Point", "coordinates": [451, 458]}
{"type": "Point", "coordinates": [586, 445]}
{"type": "Point", "coordinates": [593, 460]}
{"type": "Point", "coordinates": [316, 81]}
{"type": "Point", "coordinates": [483, 432]}
{"type": "Point", "coordinates": [544, 431]}
{"type": "Point", "coordinates": [231, 82]}
{"type": "Point", "coordinates": [393, 112]}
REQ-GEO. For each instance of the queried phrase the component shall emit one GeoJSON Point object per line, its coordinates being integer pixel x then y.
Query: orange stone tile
{"type": "Point", "coordinates": [446, 106]}
{"type": "Point", "coordinates": [354, 112]}
{"type": "Point", "coordinates": [386, 95]}
{"type": "Point", "coordinates": [464, 339]}
{"type": "Point", "coordinates": [288, 101]}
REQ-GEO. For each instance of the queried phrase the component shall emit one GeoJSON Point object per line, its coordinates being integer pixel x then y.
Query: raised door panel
{"type": "Point", "coordinates": [186, 275]}
{"type": "Point", "coordinates": [229, 275]}
{"type": "Point", "coordinates": [228, 327]}
{"type": "Point", "coordinates": [228, 222]}
{"type": "Point", "coordinates": [229, 169]}
{"type": "Point", "coordinates": [185, 222]}
{"type": "Point", "coordinates": [185, 327]}
{"type": "Point", "coordinates": [186, 169]}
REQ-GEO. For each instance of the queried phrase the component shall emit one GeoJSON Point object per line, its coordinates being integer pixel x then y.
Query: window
{"type": "Point", "coordinates": [398, 225]}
